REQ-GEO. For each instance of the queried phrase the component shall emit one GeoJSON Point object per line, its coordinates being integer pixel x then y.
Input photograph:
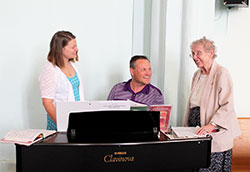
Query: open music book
{"type": "Point", "coordinates": [187, 132]}
{"type": "Point", "coordinates": [27, 136]}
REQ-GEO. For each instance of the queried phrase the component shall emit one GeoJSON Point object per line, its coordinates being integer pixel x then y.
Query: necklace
{"type": "Point", "coordinates": [68, 72]}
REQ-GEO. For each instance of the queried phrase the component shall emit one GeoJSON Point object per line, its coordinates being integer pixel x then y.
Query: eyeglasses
{"type": "Point", "coordinates": [198, 54]}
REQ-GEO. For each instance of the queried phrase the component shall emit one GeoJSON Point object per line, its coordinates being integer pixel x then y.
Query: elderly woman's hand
{"type": "Point", "coordinates": [205, 129]}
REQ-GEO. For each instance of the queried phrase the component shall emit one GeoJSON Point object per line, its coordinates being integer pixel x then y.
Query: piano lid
{"type": "Point", "coordinates": [113, 126]}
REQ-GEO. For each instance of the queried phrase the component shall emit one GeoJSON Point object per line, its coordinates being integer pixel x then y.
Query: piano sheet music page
{"type": "Point", "coordinates": [186, 132]}
{"type": "Point", "coordinates": [26, 136]}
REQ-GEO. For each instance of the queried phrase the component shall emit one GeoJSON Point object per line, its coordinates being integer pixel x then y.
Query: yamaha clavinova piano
{"type": "Point", "coordinates": [113, 141]}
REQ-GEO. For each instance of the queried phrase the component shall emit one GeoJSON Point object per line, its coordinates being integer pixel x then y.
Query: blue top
{"type": "Point", "coordinates": [75, 84]}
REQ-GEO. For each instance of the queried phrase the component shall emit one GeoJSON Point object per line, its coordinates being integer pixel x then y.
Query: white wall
{"type": "Point", "coordinates": [104, 36]}
{"type": "Point", "coordinates": [142, 27]}
{"type": "Point", "coordinates": [232, 36]}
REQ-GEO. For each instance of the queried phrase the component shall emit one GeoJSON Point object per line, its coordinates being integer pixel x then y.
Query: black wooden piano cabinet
{"type": "Point", "coordinates": [57, 154]}
{"type": "Point", "coordinates": [122, 141]}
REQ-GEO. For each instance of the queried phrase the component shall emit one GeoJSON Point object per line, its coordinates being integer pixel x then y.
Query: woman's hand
{"type": "Point", "coordinates": [205, 129]}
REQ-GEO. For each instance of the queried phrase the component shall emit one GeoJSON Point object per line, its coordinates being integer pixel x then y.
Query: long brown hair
{"type": "Point", "coordinates": [57, 43]}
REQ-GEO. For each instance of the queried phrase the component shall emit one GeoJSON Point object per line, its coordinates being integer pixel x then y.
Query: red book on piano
{"type": "Point", "coordinates": [165, 111]}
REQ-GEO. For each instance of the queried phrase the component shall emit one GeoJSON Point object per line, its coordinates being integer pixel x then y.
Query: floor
{"type": "Point", "coordinates": [241, 169]}
{"type": "Point", "coordinates": [241, 149]}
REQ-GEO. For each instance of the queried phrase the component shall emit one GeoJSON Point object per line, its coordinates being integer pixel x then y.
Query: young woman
{"type": "Point", "coordinates": [59, 79]}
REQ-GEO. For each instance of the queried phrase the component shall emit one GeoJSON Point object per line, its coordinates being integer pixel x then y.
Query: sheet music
{"type": "Point", "coordinates": [132, 103]}
{"type": "Point", "coordinates": [64, 108]}
{"type": "Point", "coordinates": [26, 136]}
{"type": "Point", "coordinates": [186, 132]}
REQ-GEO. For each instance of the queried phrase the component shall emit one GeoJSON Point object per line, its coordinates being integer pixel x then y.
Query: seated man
{"type": "Point", "coordinates": [138, 88]}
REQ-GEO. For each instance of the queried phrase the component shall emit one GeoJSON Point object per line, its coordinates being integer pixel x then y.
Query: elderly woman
{"type": "Point", "coordinates": [211, 105]}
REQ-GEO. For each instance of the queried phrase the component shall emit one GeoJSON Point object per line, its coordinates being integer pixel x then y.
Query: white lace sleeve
{"type": "Point", "coordinates": [48, 81]}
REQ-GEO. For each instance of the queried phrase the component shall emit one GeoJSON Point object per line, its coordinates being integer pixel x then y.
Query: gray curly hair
{"type": "Point", "coordinates": [207, 44]}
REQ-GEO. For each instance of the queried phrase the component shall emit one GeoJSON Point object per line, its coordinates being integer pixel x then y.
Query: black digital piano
{"type": "Point", "coordinates": [114, 141]}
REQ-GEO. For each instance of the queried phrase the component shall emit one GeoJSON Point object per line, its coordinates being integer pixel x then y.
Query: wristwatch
{"type": "Point", "coordinates": [213, 124]}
